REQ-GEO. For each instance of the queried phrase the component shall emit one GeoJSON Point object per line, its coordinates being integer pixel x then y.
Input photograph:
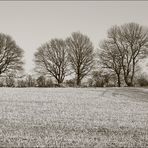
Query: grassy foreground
{"type": "Point", "coordinates": [73, 117]}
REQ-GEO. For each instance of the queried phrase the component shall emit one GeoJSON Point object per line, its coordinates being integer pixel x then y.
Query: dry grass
{"type": "Point", "coordinates": [74, 117]}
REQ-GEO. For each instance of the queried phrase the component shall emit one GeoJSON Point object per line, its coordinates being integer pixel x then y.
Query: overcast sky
{"type": "Point", "coordinates": [32, 23]}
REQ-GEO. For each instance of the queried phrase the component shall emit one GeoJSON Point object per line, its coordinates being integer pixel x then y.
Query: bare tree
{"type": "Point", "coordinates": [130, 41]}
{"type": "Point", "coordinates": [134, 39]}
{"type": "Point", "coordinates": [10, 55]}
{"type": "Point", "coordinates": [2, 82]}
{"type": "Point", "coordinates": [80, 54]}
{"type": "Point", "coordinates": [21, 83]}
{"type": "Point", "coordinates": [142, 79]}
{"type": "Point", "coordinates": [99, 78]}
{"type": "Point", "coordinates": [52, 58]}
{"type": "Point", "coordinates": [41, 82]}
{"type": "Point", "coordinates": [30, 81]}
{"type": "Point", "coordinates": [49, 82]}
{"type": "Point", "coordinates": [109, 58]}
{"type": "Point", "coordinates": [10, 81]}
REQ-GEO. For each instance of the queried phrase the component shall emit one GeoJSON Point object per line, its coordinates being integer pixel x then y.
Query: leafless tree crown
{"type": "Point", "coordinates": [123, 49]}
{"type": "Point", "coordinates": [52, 58]}
{"type": "Point", "coordinates": [81, 54]}
{"type": "Point", "coordinates": [10, 55]}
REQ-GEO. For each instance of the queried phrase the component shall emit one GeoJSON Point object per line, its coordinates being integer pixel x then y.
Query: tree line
{"type": "Point", "coordinates": [68, 62]}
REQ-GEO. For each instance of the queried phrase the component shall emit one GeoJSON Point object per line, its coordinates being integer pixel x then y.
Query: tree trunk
{"type": "Point", "coordinates": [59, 82]}
{"type": "Point", "coordinates": [78, 81]}
{"type": "Point", "coordinates": [133, 73]}
{"type": "Point", "coordinates": [119, 81]}
{"type": "Point", "coordinates": [128, 83]}
{"type": "Point", "coordinates": [127, 78]}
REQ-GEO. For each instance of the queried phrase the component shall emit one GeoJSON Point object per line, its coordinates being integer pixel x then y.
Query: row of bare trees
{"type": "Point", "coordinates": [60, 58]}
{"type": "Point", "coordinates": [119, 54]}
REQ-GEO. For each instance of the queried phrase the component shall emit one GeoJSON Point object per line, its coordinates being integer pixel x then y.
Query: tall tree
{"type": "Point", "coordinates": [110, 59]}
{"type": "Point", "coordinates": [10, 55]}
{"type": "Point", "coordinates": [52, 58]}
{"type": "Point", "coordinates": [130, 41]}
{"type": "Point", "coordinates": [134, 41]}
{"type": "Point", "coordinates": [81, 55]}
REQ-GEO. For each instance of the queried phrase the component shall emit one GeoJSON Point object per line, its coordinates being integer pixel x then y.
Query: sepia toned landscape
{"type": "Point", "coordinates": [73, 74]}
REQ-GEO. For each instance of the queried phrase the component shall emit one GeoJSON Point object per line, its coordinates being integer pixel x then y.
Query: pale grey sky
{"type": "Point", "coordinates": [32, 23]}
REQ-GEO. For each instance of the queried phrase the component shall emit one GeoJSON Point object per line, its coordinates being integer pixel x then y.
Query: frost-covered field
{"type": "Point", "coordinates": [74, 117]}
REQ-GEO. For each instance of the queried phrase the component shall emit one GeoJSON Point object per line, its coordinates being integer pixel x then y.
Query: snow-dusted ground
{"type": "Point", "coordinates": [74, 117]}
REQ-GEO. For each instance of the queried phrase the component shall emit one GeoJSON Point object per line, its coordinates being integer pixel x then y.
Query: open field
{"type": "Point", "coordinates": [74, 117]}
